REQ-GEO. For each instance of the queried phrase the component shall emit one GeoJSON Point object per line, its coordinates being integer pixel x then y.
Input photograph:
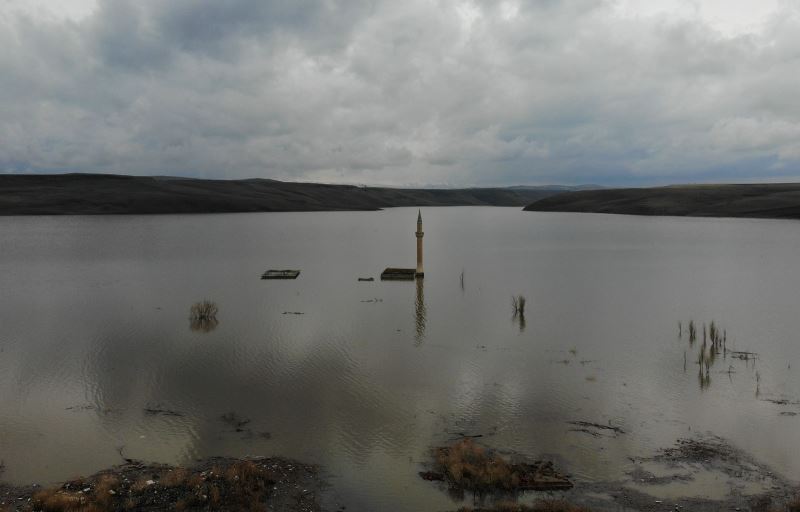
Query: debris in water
{"type": "Point", "coordinates": [280, 274]}
{"type": "Point", "coordinates": [151, 411]}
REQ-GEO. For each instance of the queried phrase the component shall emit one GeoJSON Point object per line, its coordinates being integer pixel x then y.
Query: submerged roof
{"type": "Point", "coordinates": [399, 274]}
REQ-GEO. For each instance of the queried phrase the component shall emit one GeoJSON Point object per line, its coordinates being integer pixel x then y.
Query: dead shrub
{"type": "Point", "coordinates": [105, 489]}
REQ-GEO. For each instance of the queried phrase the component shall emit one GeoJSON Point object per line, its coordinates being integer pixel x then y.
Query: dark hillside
{"type": "Point", "coordinates": [86, 194]}
{"type": "Point", "coordinates": [778, 200]}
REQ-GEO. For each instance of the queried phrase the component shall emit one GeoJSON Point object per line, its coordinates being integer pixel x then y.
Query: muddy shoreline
{"type": "Point", "coordinates": [262, 483]}
{"type": "Point", "coordinates": [217, 483]}
{"type": "Point", "coordinates": [688, 465]}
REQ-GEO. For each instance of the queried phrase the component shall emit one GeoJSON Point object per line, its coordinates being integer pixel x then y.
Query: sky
{"type": "Point", "coordinates": [412, 93]}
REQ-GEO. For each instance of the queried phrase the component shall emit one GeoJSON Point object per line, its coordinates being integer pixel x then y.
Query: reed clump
{"type": "Point", "coordinates": [203, 310]}
{"type": "Point", "coordinates": [203, 316]}
{"type": "Point", "coordinates": [714, 346]}
{"type": "Point", "coordinates": [518, 304]}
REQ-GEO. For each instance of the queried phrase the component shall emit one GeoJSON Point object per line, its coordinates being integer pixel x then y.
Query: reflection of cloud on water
{"type": "Point", "coordinates": [324, 392]}
{"type": "Point", "coordinates": [315, 399]}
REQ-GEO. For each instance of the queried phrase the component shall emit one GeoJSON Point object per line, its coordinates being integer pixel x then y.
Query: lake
{"type": "Point", "coordinates": [98, 356]}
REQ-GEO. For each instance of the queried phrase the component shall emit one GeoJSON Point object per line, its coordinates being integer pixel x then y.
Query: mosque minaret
{"type": "Point", "coordinates": [420, 234]}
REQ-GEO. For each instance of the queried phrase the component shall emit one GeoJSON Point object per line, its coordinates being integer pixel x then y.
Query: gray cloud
{"type": "Point", "coordinates": [418, 92]}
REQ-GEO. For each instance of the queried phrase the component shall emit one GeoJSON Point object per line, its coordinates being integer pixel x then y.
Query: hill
{"type": "Point", "coordinates": [89, 194]}
{"type": "Point", "coordinates": [775, 200]}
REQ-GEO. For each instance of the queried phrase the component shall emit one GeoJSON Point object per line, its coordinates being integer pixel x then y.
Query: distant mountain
{"type": "Point", "coordinates": [88, 194]}
{"type": "Point", "coordinates": [774, 200]}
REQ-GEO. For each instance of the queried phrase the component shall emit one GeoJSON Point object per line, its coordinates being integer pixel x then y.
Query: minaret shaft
{"type": "Point", "coordinates": [420, 234]}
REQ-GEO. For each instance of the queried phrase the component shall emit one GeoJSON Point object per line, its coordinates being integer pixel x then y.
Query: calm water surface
{"type": "Point", "coordinates": [95, 330]}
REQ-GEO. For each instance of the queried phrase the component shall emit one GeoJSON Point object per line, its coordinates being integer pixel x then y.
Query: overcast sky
{"type": "Point", "coordinates": [412, 92]}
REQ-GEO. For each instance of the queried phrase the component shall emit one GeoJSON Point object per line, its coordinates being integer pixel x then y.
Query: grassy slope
{"type": "Point", "coordinates": [779, 200]}
{"type": "Point", "coordinates": [71, 194]}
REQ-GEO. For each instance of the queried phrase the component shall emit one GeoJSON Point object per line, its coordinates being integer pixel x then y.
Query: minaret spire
{"type": "Point", "coordinates": [420, 272]}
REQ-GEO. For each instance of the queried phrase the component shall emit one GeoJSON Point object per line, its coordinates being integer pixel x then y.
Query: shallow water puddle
{"type": "Point", "coordinates": [690, 481]}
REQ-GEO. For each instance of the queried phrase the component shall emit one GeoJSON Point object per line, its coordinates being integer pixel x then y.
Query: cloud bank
{"type": "Point", "coordinates": [435, 92]}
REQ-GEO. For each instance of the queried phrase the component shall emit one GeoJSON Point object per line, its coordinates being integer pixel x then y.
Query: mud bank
{"type": "Point", "coordinates": [704, 473]}
{"type": "Point", "coordinates": [212, 484]}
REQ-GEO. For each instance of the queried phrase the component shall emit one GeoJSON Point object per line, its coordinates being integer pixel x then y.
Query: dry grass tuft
{"type": "Point", "coordinates": [58, 500]}
{"type": "Point", "coordinates": [140, 485]}
{"type": "Point", "coordinates": [105, 489]}
{"type": "Point", "coordinates": [468, 466]}
{"type": "Point", "coordinates": [214, 496]}
{"type": "Point", "coordinates": [245, 472]}
{"type": "Point", "coordinates": [195, 480]}
{"type": "Point", "coordinates": [174, 478]}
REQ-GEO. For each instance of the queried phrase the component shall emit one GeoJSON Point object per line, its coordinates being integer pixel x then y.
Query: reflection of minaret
{"type": "Point", "coordinates": [420, 234]}
{"type": "Point", "coordinates": [420, 311]}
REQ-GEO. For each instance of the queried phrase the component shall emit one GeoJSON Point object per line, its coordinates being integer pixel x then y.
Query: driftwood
{"type": "Point", "coordinates": [161, 412]}
{"type": "Point", "coordinates": [587, 425]}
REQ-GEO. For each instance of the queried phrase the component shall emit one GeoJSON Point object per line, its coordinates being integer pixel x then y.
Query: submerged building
{"type": "Point", "coordinates": [408, 274]}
